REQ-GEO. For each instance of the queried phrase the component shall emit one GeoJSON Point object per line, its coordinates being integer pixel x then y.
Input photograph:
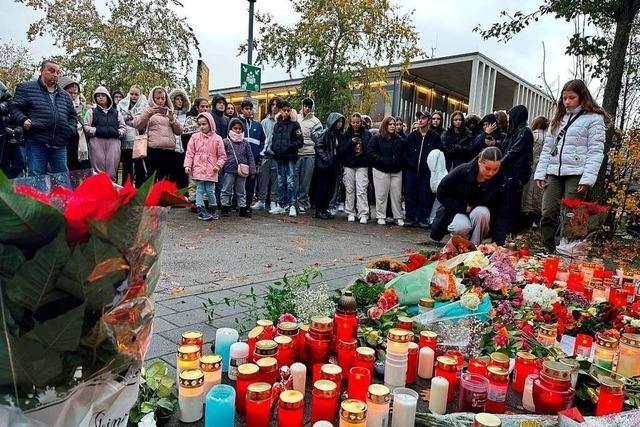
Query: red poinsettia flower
{"type": "Point", "coordinates": [527, 329]}
{"type": "Point", "coordinates": [501, 340]}
{"type": "Point", "coordinates": [415, 262]}
{"type": "Point", "coordinates": [33, 193]}
{"type": "Point", "coordinates": [96, 199]}
{"type": "Point", "coordinates": [158, 189]}
{"type": "Point", "coordinates": [572, 203]}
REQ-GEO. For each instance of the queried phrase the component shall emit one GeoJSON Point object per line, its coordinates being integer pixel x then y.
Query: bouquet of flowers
{"type": "Point", "coordinates": [78, 268]}
{"type": "Point", "coordinates": [578, 218]}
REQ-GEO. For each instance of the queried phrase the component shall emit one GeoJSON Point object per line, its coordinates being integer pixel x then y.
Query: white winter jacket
{"type": "Point", "coordinates": [438, 167]}
{"type": "Point", "coordinates": [579, 152]}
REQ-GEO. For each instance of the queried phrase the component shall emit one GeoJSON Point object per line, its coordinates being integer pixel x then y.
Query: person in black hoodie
{"type": "Point", "coordinates": [218, 112]}
{"type": "Point", "coordinates": [417, 195]}
{"type": "Point", "coordinates": [491, 135]}
{"type": "Point", "coordinates": [472, 123]}
{"type": "Point", "coordinates": [517, 162]}
{"type": "Point", "coordinates": [287, 139]}
{"type": "Point", "coordinates": [386, 152]}
{"type": "Point", "coordinates": [352, 151]}
{"type": "Point", "coordinates": [326, 162]}
{"type": "Point", "coordinates": [457, 142]}
{"type": "Point", "coordinates": [436, 123]}
{"type": "Point", "coordinates": [473, 198]}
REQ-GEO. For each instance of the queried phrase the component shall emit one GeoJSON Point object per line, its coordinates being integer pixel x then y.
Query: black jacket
{"type": "Point", "coordinates": [459, 189]}
{"type": "Point", "coordinates": [418, 148]}
{"type": "Point", "coordinates": [5, 119]}
{"type": "Point", "coordinates": [352, 148]}
{"type": "Point", "coordinates": [387, 155]}
{"type": "Point", "coordinates": [457, 147]}
{"type": "Point", "coordinates": [286, 140]}
{"type": "Point", "coordinates": [222, 123]}
{"type": "Point", "coordinates": [326, 143]}
{"type": "Point", "coordinates": [52, 123]}
{"type": "Point", "coordinates": [517, 148]}
{"type": "Point", "coordinates": [439, 130]}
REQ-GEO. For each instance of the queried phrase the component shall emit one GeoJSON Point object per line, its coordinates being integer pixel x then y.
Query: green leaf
{"type": "Point", "coordinates": [166, 403]}
{"type": "Point", "coordinates": [158, 367]}
{"type": "Point", "coordinates": [147, 407]}
{"type": "Point", "coordinates": [61, 333]}
{"type": "Point", "coordinates": [27, 222]}
{"type": "Point", "coordinates": [153, 383]}
{"type": "Point", "coordinates": [32, 364]}
{"type": "Point", "coordinates": [33, 284]}
{"type": "Point", "coordinates": [11, 258]}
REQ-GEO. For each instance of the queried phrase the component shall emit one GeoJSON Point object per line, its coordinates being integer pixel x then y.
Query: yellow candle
{"type": "Point", "coordinates": [353, 413]}
{"type": "Point", "coordinates": [629, 357]}
{"type": "Point", "coordinates": [188, 358]}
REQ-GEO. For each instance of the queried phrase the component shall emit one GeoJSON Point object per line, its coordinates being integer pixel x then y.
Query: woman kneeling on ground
{"type": "Point", "coordinates": [473, 198]}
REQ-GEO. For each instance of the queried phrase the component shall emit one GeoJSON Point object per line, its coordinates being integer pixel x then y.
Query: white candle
{"type": "Point", "coordinates": [211, 365]}
{"type": "Point", "coordinates": [322, 423]}
{"type": "Point", "coordinates": [378, 397]}
{"type": "Point", "coordinates": [438, 395]}
{"type": "Point", "coordinates": [299, 375]}
{"type": "Point", "coordinates": [405, 401]}
{"type": "Point", "coordinates": [425, 362]}
{"type": "Point", "coordinates": [238, 355]}
{"type": "Point", "coordinates": [190, 392]}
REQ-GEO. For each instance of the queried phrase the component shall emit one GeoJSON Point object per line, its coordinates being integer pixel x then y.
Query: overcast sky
{"type": "Point", "coordinates": [221, 26]}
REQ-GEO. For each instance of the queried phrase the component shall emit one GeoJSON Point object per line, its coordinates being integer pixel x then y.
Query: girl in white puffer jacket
{"type": "Point", "coordinates": [572, 154]}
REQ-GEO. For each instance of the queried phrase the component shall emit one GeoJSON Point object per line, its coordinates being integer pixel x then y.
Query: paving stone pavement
{"type": "Point", "coordinates": [226, 258]}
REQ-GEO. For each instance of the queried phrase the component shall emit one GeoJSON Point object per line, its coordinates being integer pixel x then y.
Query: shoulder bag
{"type": "Point", "coordinates": [243, 168]}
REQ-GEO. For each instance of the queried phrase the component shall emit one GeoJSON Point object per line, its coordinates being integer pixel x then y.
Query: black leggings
{"type": "Point", "coordinates": [160, 161]}
{"type": "Point", "coordinates": [325, 180]}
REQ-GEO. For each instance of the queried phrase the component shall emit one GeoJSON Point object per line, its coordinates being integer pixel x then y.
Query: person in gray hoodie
{"type": "Point", "coordinates": [77, 150]}
{"type": "Point", "coordinates": [310, 124]}
{"type": "Point", "coordinates": [104, 126]}
{"type": "Point", "coordinates": [130, 106]}
{"type": "Point", "coordinates": [181, 105]}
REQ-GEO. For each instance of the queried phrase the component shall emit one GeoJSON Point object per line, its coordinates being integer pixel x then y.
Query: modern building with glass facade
{"type": "Point", "coordinates": [472, 83]}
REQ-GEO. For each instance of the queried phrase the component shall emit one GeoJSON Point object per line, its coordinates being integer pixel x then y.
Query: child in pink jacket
{"type": "Point", "coordinates": [204, 158]}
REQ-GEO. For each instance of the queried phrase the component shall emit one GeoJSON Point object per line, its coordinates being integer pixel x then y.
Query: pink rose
{"type": "Point", "coordinates": [501, 340]}
{"type": "Point", "coordinates": [375, 312]}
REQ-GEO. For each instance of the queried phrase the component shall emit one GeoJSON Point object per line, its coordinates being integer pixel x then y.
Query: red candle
{"type": "Point", "coordinates": [315, 370]}
{"type": "Point", "coordinates": [525, 365]}
{"type": "Point", "coordinates": [552, 390]}
{"type": "Point", "coordinates": [258, 405]}
{"type": "Point", "coordinates": [333, 373]}
{"type": "Point", "coordinates": [285, 350]}
{"type": "Point", "coordinates": [365, 358]}
{"type": "Point", "coordinates": [318, 340]}
{"type": "Point", "coordinates": [618, 297]}
{"type": "Point", "coordinates": [345, 325]}
{"type": "Point", "coordinates": [610, 398]}
{"type": "Point", "coordinates": [346, 353]}
{"type": "Point", "coordinates": [324, 401]}
{"type": "Point", "coordinates": [192, 338]}
{"type": "Point", "coordinates": [447, 367]}
{"type": "Point", "coordinates": [635, 308]}
{"type": "Point", "coordinates": [405, 323]}
{"type": "Point", "coordinates": [291, 330]}
{"type": "Point", "coordinates": [583, 345]}
{"type": "Point", "coordinates": [428, 339]}
{"type": "Point", "coordinates": [291, 409]}
{"type": "Point", "coordinates": [412, 363]}
{"type": "Point", "coordinates": [265, 348]}
{"type": "Point", "coordinates": [247, 374]}
{"type": "Point", "coordinates": [269, 330]}
{"type": "Point", "coordinates": [253, 337]}
{"type": "Point", "coordinates": [550, 268]}
{"type": "Point", "coordinates": [575, 282]}
{"type": "Point", "coordinates": [459, 357]}
{"type": "Point", "coordinates": [499, 359]}
{"type": "Point", "coordinates": [477, 366]}
{"type": "Point", "coordinates": [498, 385]}
{"type": "Point", "coordinates": [268, 370]}
{"type": "Point", "coordinates": [359, 381]}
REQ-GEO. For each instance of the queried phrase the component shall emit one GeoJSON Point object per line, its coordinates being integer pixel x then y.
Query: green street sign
{"type": "Point", "coordinates": [250, 77]}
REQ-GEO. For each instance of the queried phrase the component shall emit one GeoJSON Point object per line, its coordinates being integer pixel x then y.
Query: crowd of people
{"type": "Point", "coordinates": [479, 177]}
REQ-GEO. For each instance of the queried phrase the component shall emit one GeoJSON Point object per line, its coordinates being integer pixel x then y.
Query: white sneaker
{"type": "Point", "coordinates": [351, 218]}
{"type": "Point", "coordinates": [258, 206]}
{"type": "Point", "coordinates": [341, 207]}
{"type": "Point", "coordinates": [277, 210]}
{"type": "Point", "coordinates": [400, 222]}
{"type": "Point", "coordinates": [363, 220]}
{"type": "Point", "coordinates": [381, 221]}
{"type": "Point", "coordinates": [333, 212]}
{"type": "Point", "coordinates": [292, 211]}
{"type": "Point", "coordinates": [273, 205]}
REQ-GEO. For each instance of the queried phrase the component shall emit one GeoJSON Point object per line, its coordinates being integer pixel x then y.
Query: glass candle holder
{"type": "Point", "coordinates": [610, 397]}
{"type": "Point", "coordinates": [618, 296]}
{"type": "Point", "coordinates": [268, 370]}
{"type": "Point", "coordinates": [629, 355]}
{"type": "Point", "coordinates": [258, 405]}
{"type": "Point", "coordinates": [412, 363]}
{"type": "Point", "coordinates": [477, 366]}
{"type": "Point", "coordinates": [497, 393]}
{"type": "Point", "coordinates": [552, 390]}
{"type": "Point", "coordinates": [575, 282]}
{"type": "Point", "coordinates": [346, 353]}
{"type": "Point", "coordinates": [285, 350]}
{"type": "Point", "coordinates": [269, 329]}
{"type": "Point", "coordinates": [324, 401]}
{"type": "Point", "coordinates": [265, 348]}
{"type": "Point", "coordinates": [301, 343]}
{"type": "Point", "coordinates": [582, 346]}
{"type": "Point", "coordinates": [498, 359]}
{"type": "Point", "coordinates": [190, 395]}
{"type": "Point", "coordinates": [473, 393]}
{"type": "Point", "coordinates": [238, 355]}
{"type": "Point", "coordinates": [345, 325]}
{"type": "Point", "coordinates": [574, 366]}
{"type": "Point", "coordinates": [378, 398]}
{"type": "Point", "coordinates": [525, 365]}
{"type": "Point", "coordinates": [405, 402]}
{"type": "Point", "coordinates": [291, 409]}
{"type": "Point", "coordinates": [605, 351]}
{"type": "Point", "coordinates": [224, 338]}
{"type": "Point", "coordinates": [428, 339]}
{"type": "Point", "coordinates": [211, 366]}
{"type": "Point", "coordinates": [255, 335]}
{"type": "Point", "coordinates": [485, 419]}
{"type": "Point", "coordinates": [188, 358]}
{"type": "Point", "coordinates": [446, 367]}
{"type": "Point", "coordinates": [318, 340]}
{"type": "Point", "coordinates": [396, 362]}
{"type": "Point", "coordinates": [291, 330]}
{"type": "Point", "coordinates": [405, 323]}
{"type": "Point", "coordinates": [599, 293]}
{"type": "Point", "coordinates": [192, 338]}
{"type": "Point", "coordinates": [630, 287]}
{"type": "Point", "coordinates": [332, 372]}
{"type": "Point", "coordinates": [353, 413]}
{"type": "Point", "coordinates": [550, 268]}
{"type": "Point", "coordinates": [547, 335]}
{"type": "Point", "coordinates": [358, 384]}
{"type": "Point", "coordinates": [426, 304]}
{"type": "Point", "coordinates": [365, 358]}
{"type": "Point", "coordinates": [456, 354]}
{"type": "Point", "coordinates": [247, 374]}
{"type": "Point", "coordinates": [220, 406]}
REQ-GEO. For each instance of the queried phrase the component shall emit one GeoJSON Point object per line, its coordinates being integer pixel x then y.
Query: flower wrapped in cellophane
{"type": "Point", "coordinates": [78, 265]}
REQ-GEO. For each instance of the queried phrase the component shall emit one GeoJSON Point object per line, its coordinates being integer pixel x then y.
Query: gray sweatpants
{"type": "Point", "coordinates": [104, 154]}
{"type": "Point", "coordinates": [304, 173]}
{"type": "Point", "coordinates": [231, 182]}
{"type": "Point", "coordinates": [475, 224]}
{"type": "Point", "coordinates": [268, 176]}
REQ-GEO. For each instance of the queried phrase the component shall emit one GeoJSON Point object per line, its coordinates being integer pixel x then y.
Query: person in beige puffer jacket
{"type": "Point", "coordinates": [159, 122]}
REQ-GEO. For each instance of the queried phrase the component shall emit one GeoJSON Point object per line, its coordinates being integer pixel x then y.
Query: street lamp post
{"type": "Point", "coordinates": [250, 40]}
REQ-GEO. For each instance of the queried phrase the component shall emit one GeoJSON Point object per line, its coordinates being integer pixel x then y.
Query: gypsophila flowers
{"type": "Point", "coordinates": [470, 301]}
{"type": "Point", "coordinates": [539, 294]}
{"type": "Point", "coordinates": [313, 302]}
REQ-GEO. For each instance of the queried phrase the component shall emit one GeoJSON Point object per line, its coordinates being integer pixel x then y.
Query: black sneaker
{"type": "Point", "coordinates": [408, 223]}
{"type": "Point", "coordinates": [424, 225]}
{"type": "Point", "coordinates": [322, 215]}
{"type": "Point", "coordinates": [224, 211]}
{"type": "Point", "coordinates": [203, 215]}
{"type": "Point", "coordinates": [245, 212]}
{"type": "Point", "coordinates": [213, 212]}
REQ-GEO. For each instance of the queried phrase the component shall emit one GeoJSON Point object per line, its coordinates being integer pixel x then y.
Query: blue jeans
{"type": "Point", "coordinates": [286, 182]}
{"type": "Point", "coordinates": [417, 197]}
{"type": "Point", "coordinates": [203, 187]}
{"type": "Point", "coordinates": [40, 157]}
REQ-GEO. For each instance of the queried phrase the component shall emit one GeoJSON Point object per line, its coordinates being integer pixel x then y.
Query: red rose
{"type": "Point", "coordinates": [415, 262]}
